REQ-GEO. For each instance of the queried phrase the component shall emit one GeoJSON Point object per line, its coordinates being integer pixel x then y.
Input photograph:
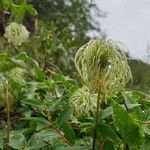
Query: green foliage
{"type": "Point", "coordinates": [106, 132]}
{"type": "Point", "coordinates": [73, 14]}
{"type": "Point", "coordinates": [17, 140]}
{"type": "Point", "coordinates": [42, 104]}
{"type": "Point", "coordinates": [127, 126]}
{"type": "Point", "coordinates": [64, 116]}
{"type": "Point", "coordinates": [69, 133]}
{"type": "Point", "coordinates": [47, 120]}
{"type": "Point", "coordinates": [18, 9]}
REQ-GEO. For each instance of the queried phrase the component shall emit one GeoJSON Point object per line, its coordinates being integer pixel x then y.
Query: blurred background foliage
{"type": "Point", "coordinates": [57, 29]}
{"type": "Point", "coordinates": [141, 75]}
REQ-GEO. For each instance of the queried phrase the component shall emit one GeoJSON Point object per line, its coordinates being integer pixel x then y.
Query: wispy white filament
{"type": "Point", "coordinates": [83, 102]}
{"type": "Point", "coordinates": [103, 66]}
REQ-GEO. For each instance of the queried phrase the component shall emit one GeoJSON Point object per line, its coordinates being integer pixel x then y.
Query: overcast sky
{"type": "Point", "coordinates": [129, 22]}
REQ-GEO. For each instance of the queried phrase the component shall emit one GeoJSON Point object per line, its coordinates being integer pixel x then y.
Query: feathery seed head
{"type": "Point", "coordinates": [83, 101]}
{"type": "Point", "coordinates": [103, 66]}
{"type": "Point", "coordinates": [16, 34]}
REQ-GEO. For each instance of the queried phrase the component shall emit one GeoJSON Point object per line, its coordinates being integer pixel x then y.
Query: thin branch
{"type": "Point", "coordinates": [96, 122]}
{"type": "Point", "coordinates": [16, 50]}
{"type": "Point", "coordinates": [126, 106]}
{"type": "Point", "coordinates": [51, 123]}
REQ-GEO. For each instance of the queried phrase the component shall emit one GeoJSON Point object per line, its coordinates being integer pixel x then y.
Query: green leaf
{"type": "Point", "coordinates": [41, 125]}
{"type": "Point", "coordinates": [37, 119]}
{"type": "Point", "coordinates": [31, 10]}
{"type": "Point", "coordinates": [64, 80]}
{"type": "Point", "coordinates": [17, 140]}
{"type": "Point", "coordinates": [132, 99]}
{"type": "Point", "coordinates": [56, 105]}
{"type": "Point", "coordinates": [6, 63]}
{"type": "Point", "coordinates": [127, 126]}
{"type": "Point", "coordinates": [39, 74]}
{"type": "Point", "coordinates": [42, 138]}
{"type": "Point", "coordinates": [6, 4]}
{"type": "Point", "coordinates": [47, 135]}
{"type": "Point", "coordinates": [106, 132]}
{"type": "Point", "coordinates": [69, 132]}
{"type": "Point", "coordinates": [18, 12]}
{"type": "Point", "coordinates": [86, 127]}
{"type": "Point", "coordinates": [36, 142]}
{"type": "Point", "coordinates": [28, 60]}
{"type": "Point", "coordinates": [130, 106]}
{"type": "Point", "coordinates": [109, 145]}
{"type": "Point", "coordinates": [64, 116]}
{"type": "Point", "coordinates": [107, 112]}
{"type": "Point", "coordinates": [59, 91]}
{"type": "Point", "coordinates": [26, 131]}
{"type": "Point", "coordinates": [33, 103]}
{"type": "Point", "coordinates": [146, 144]}
{"type": "Point", "coordinates": [147, 129]}
{"type": "Point", "coordinates": [72, 148]}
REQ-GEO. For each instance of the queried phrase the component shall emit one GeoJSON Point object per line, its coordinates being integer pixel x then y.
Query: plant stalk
{"type": "Point", "coordinates": [8, 112]}
{"type": "Point", "coordinates": [96, 121]}
{"type": "Point", "coordinates": [47, 114]}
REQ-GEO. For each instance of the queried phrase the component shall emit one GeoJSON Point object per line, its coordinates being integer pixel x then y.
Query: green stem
{"type": "Point", "coordinates": [8, 113]}
{"type": "Point", "coordinates": [16, 50]}
{"type": "Point", "coordinates": [96, 121]}
{"type": "Point", "coordinates": [126, 107]}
